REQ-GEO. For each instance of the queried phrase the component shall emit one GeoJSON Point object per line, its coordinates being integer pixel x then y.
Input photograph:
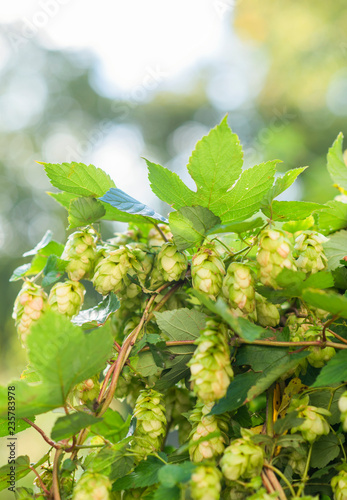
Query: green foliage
{"type": "Point", "coordinates": [189, 226]}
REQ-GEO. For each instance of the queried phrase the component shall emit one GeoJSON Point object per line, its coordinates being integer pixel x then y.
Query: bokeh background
{"type": "Point", "coordinates": [110, 82]}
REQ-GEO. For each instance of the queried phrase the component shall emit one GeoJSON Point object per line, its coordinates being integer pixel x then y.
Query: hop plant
{"type": "Point", "coordinates": [171, 263]}
{"type": "Point", "coordinates": [297, 461]}
{"type": "Point", "coordinates": [314, 424]}
{"type": "Point", "coordinates": [238, 288]}
{"type": "Point", "coordinates": [80, 251]}
{"type": "Point", "coordinates": [151, 423]}
{"type": "Point", "coordinates": [343, 409]}
{"type": "Point", "coordinates": [311, 256]}
{"type": "Point", "coordinates": [204, 424]}
{"type": "Point", "coordinates": [111, 272]}
{"type": "Point", "coordinates": [274, 254]}
{"type": "Point", "coordinates": [210, 365]}
{"type": "Point", "coordinates": [142, 260]}
{"type": "Point", "coordinates": [318, 356]}
{"type": "Point", "coordinates": [242, 459]}
{"type": "Point", "coordinates": [28, 307]}
{"type": "Point", "coordinates": [92, 486]}
{"type": "Point", "coordinates": [267, 313]}
{"type": "Point", "coordinates": [87, 390]}
{"type": "Point", "coordinates": [339, 485]}
{"type": "Point", "coordinates": [155, 238]}
{"type": "Point", "coordinates": [208, 271]}
{"type": "Point", "coordinates": [206, 483]}
{"type": "Point", "coordinates": [67, 298]}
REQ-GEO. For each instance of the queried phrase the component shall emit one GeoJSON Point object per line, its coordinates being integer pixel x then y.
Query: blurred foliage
{"type": "Point", "coordinates": [296, 53]}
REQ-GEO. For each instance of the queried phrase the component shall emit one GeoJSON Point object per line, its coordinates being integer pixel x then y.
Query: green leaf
{"type": "Point", "coordinates": [324, 450]}
{"type": "Point", "coordinates": [98, 315]}
{"type": "Point", "coordinates": [321, 399]}
{"type": "Point", "coordinates": [328, 301]}
{"type": "Point", "coordinates": [84, 211]}
{"type": "Point", "coordinates": [292, 440]}
{"type": "Point", "coordinates": [20, 426]}
{"type": "Point", "coordinates": [236, 394]}
{"type": "Point", "coordinates": [53, 270]}
{"type": "Point", "coordinates": [336, 249]}
{"type": "Point", "coordinates": [336, 165]}
{"type": "Point", "coordinates": [20, 271]}
{"type": "Point", "coordinates": [125, 203]}
{"type": "Point", "coordinates": [172, 474]}
{"type": "Point", "coordinates": [113, 461]}
{"type": "Point", "coordinates": [164, 493]}
{"type": "Point", "coordinates": [79, 179]}
{"type": "Point", "coordinates": [281, 184]}
{"type": "Point", "coordinates": [70, 425]}
{"type": "Point", "coordinates": [332, 217]}
{"type": "Point", "coordinates": [215, 165]}
{"type": "Point", "coordinates": [291, 210]}
{"type": "Point", "coordinates": [112, 427]}
{"type": "Point", "coordinates": [246, 197]}
{"type": "Point", "coordinates": [41, 244]}
{"type": "Point", "coordinates": [340, 278]}
{"type": "Point", "coordinates": [299, 225]}
{"type": "Point", "coordinates": [238, 227]}
{"type": "Point", "coordinates": [63, 198]}
{"type": "Point", "coordinates": [181, 324]}
{"type": "Point", "coordinates": [145, 474]}
{"type": "Point", "coordinates": [63, 355]}
{"type": "Point", "coordinates": [295, 282]}
{"type": "Point", "coordinates": [22, 468]}
{"type": "Point", "coordinates": [189, 225]}
{"type": "Point", "coordinates": [334, 371]}
{"type": "Point", "coordinates": [284, 424]}
{"type": "Point", "coordinates": [168, 186]}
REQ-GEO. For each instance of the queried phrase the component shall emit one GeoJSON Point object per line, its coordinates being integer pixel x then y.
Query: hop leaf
{"type": "Point", "coordinates": [28, 307]}
{"type": "Point", "coordinates": [80, 251]}
{"type": "Point", "coordinates": [208, 271]}
{"type": "Point", "coordinates": [67, 298]}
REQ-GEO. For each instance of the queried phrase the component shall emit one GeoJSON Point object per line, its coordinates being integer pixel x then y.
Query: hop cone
{"type": "Point", "coordinates": [297, 461]}
{"type": "Point", "coordinates": [310, 250]}
{"type": "Point", "coordinates": [274, 254]}
{"type": "Point", "coordinates": [171, 263]}
{"type": "Point", "coordinates": [210, 364]}
{"type": "Point", "coordinates": [92, 486]}
{"type": "Point", "coordinates": [88, 390]}
{"type": "Point", "coordinates": [242, 459]}
{"type": "Point", "coordinates": [206, 483]}
{"type": "Point", "coordinates": [314, 424]}
{"type": "Point", "coordinates": [155, 239]}
{"type": "Point", "coordinates": [339, 485]}
{"type": "Point", "coordinates": [318, 356]}
{"type": "Point", "coordinates": [267, 313]}
{"type": "Point", "coordinates": [142, 262]}
{"type": "Point", "coordinates": [208, 271]}
{"type": "Point", "coordinates": [204, 424]}
{"type": "Point", "coordinates": [111, 272]}
{"type": "Point", "coordinates": [151, 423]}
{"type": "Point", "coordinates": [28, 307]}
{"type": "Point", "coordinates": [67, 298]}
{"type": "Point", "coordinates": [80, 251]}
{"type": "Point", "coordinates": [262, 494]}
{"type": "Point", "coordinates": [343, 409]}
{"type": "Point", "coordinates": [238, 288]}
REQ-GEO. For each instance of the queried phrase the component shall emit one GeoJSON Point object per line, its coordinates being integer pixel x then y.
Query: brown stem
{"type": "Point", "coordinates": [42, 485]}
{"type": "Point", "coordinates": [161, 232]}
{"type": "Point", "coordinates": [267, 483]}
{"type": "Point", "coordinates": [276, 484]}
{"type": "Point", "coordinates": [328, 323]}
{"type": "Point", "coordinates": [337, 336]}
{"type": "Point", "coordinates": [45, 437]}
{"type": "Point", "coordinates": [55, 481]}
{"type": "Point", "coordinates": [174, 342]}
{"type": "Point", "coordinates": [275, 343]}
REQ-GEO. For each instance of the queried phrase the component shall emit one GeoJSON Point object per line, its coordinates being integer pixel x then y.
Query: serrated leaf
{"type": "Point", "coordinates": [334, 371]}
{"type": "Point", "coordinates": [292, 440]}
{"type": "Point", "coordinates": [127, 204]}
{"type": "Point", "coordinates": [113, 461]}
{"type": "Point", "coordinates": [291, 210]}
{"type": "Point", "coordinates": [328, 301]}
{"type": "Point", "coordinates": [53, 270]}
{"type": "Point", "coordinates": [332, 217]}
{"type": "Point", "coordinates": [284, 424]}
{"type": "Point", "coordinates": [281, 184]}
{"type": "Point", "coordinates": [63, 198]}
{"type": "Point", "coordinates": [164, 493]}
{"type": "Point", "coordinates": [172, 474]}
{"type": "Point", "coordinates": [145, 474]}
{"type": "Point", "coordinates": [336, 249]}
{"type": "Point", "coordinates": [22, 468]}
{"type": "Point", "coordinates": [336, 165]}
{"type": "Point", "coordinates": [70, 425]}
{"type": "Point", "coordinates": [324, 450]}
{"type": "Point", "coordinates": [98, 315]}
{"type": "Point", "coordinates": [20, 271]}
{"type": "Point", "coordinates": [236, 394]}
{"type": "Point", "coordinates": [189, 225]}
{"type": "Point", "coordinates": [112, 426]}
{"type": "Point", "coordinates": [237, 227]}
{"type": "Point", "coordinates": [245, 198]}
{"type": "Point", "coordinates": [299, 225]}
{"type": "Point", "coordinates": [79, 179]}
{"type": "Point", "coordinates": [295, 282]}
{"type": "Point", "coordinates": [181, 324]}
{"type": "Point", "coordinates": [20, 426]}
{"type": "Point", "coordinates": [168, 186]}
{"type": "Point", "coordinates": [41, 244]}
{"type": "Point", "coordinates": [84, 211]}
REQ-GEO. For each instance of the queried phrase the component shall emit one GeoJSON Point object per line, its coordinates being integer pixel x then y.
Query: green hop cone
{"type": "Point", "coordinates": [155, 238]}
{"type": "Point", "coordinates": [318, 356]}
{"type": "Point", "coordinates": [67, 298]}
{"type": "Point", "coordinates": [92, 486]}
{"type": "Point", "coordinates": [311, 256]}
{"type": "Point", "coordinates": [274, 254]}
{"type": "Point", "coordinates": [238, 288]}
{"type": "Point", "coordinates": [204, 424]}
{"type": "Point", "coordinates": [142, 260]}
{"type": "Point", "coordinates": [30, 303]}
{"type": "Point", "coordinates": [151, 423]}
{"type": "Point", "coordinates": [339, 485]}
{"type": "Point", "coordinates": [210, 365]}
{"type": "Point", "coordinates": [206, 483]}
{"type": "Point", "coordinates": [314, 424]}
{"type": "Point", "coordinates": [262, 494]}
{"type": "Point", "coordinates": [111, 272]}
{"type": "Point", "coordinates": [242, 459]}
{"type": "Point", "coordinates": [267, 313]}
{"type": "Point", "coordinates": [171, 263]}
{"type": "Point", "coordinates": [297, 461]}
{"type": "Point", "coordinates": [87, 390]}
{"type": "Point", "coordinates": [208, 271]}
{"type": "Point", "coordinates": [80, 251]}
{"type": "Point", "coordinates": [343, 409]}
